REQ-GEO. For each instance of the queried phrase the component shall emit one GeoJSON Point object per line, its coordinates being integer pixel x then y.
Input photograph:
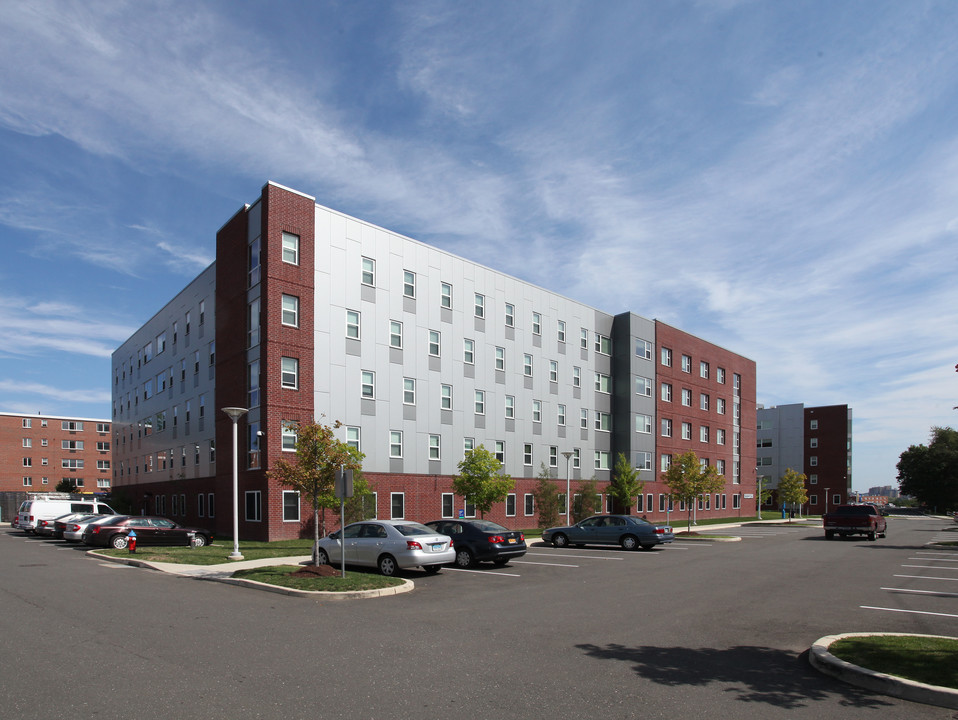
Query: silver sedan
{"type": "Point", "coordinates": [388, 545]}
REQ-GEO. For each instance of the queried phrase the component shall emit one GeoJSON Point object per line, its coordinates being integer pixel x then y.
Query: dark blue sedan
{"type": "Point", "coordinates": [625, 530]}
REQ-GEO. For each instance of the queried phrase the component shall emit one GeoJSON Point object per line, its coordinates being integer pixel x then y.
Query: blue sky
{"type": "Point", "coordinates": [778, 178]}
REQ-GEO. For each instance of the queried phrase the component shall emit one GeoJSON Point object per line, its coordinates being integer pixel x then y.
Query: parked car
{"type": "Point", "coordinates": [73, 532]}
{"type": "Point", "coordinates": [60, 524]}
{"type": "Point", "coordinates": [865, 519]}
{"type": "Point", "coordinates": [388, 545]}
{"type": "Point", "coordinates": [626, 530]}
{"type": "Point", "coordinates": [149, 531]}
{"type": "Point", "coordinates": [481, 540]}
{"type": "Point", "coordinates": [49, 506]}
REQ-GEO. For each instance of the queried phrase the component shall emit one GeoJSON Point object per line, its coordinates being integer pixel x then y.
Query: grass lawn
{"type": "Point", "coordinates": [282, 575]}
{"type": "Point", "coordinates": [217, 553]}
{"type": "Point", "coordinates": [929, 660]}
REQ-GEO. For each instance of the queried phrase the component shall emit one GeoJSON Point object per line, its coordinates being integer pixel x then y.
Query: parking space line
{"type": "Point", "coordinates": [934, 559]}
{"type": "Point", "coordinates": [586, 557]}
{"type": "Point", "coordinates": [930, 567]}
{"type": "Point", "coordinates": [483, 572]}
{"type": "Point", "coordinates": [913, 612]}
{"type": "Point", "coordinates": [922, 592]}
{"type": "Point", "coordinates": [927, 577]}
{"type": "Point", "coordinates": [526, 562]}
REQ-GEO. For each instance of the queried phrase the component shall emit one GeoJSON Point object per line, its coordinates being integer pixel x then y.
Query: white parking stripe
{"type": "Point", "coordinates": [927, 577]}
{"type": "Point", "coordinates": [526, 562]}
{"type": "Point", "coordinates": [914, 612]}
{"type": "Point", "coordinates": [483, 572]}
{"type": "Point", "coordinates": [930, 567]}
{"type": "Point", "coordinates": [922, 592]}
{"type": "Point", "coordinates": [587, 557]}
{"type": "Point", "coordinates": [932, 559]}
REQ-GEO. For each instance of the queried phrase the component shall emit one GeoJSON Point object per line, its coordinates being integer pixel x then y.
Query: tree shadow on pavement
{"type": "Point", "coordinates": [754, 674]}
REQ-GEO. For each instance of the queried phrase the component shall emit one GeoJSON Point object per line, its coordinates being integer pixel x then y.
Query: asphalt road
{"type": "Point", "coordinates": [695, 629]}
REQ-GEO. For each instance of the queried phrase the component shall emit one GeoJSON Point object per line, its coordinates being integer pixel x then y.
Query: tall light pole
{"type": "Point", "coordinates": [235, 414]}
{"type": "Point", "coordinates": [567, 455]}
{"type": "Point", "coordinates": [826, 501]}
{"type": "Point", "coordinates": [758, 500]}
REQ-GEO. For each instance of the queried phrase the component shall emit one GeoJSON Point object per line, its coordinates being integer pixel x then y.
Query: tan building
{"type": "Point", "coordinates": [38, 451]}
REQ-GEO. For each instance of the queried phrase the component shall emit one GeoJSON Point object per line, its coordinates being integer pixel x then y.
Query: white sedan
{"type": "Point", "coordinates": [388, 545]}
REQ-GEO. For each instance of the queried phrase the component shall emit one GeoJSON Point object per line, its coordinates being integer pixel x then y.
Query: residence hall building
{"type": "Point", "coordinates": [38, 451]}
{"type": "Point", "coordinates": [307, 314]}
{"type": "Point", "coordinates": [816, 441]}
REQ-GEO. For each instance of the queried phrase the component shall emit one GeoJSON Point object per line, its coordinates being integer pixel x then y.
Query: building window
{"type": "Point", "coordinates": [736, 501]}
{"type": "Point", "coordinates": [511, 505]}
{"type": "Point", "coordinates": [643, 424]}
{"type": "Point", "coordinates": [643, 348]}
{"type": "Point", "coordinates": [369, 271]}
{"type": "Point", "coordinates": [480, 402]}
{"type": "Point", "coordinates": [584, 419]}
{"type": "Point", "coordinates": [601, 460]}
{"type": "Point", "coordinates": [368, 384]}
{"type": "Point", "coordinates": [254, 506]}
{"type": "Point", "coordinates": [397, 506]}
{"type": "Point", "coordinates": [480, 306]}
{"type": "Point", "coordinates": [252, 384]}
{"type": "Point", "coordinates": [353, 437]}
{"type": "Point", "coordinates": [527, 453]}
{"type": "Point", "coordinates": [720, 436]}
{"type": "Point", "coordinates": [703, 433]}
{"type": "Point", "coordinates": [395, 334]}
{"type": "Point", "coordinates": [643, 460]}
{"type": "Point", "coordinates": [408, 283]}
{"type": "Point", "coordinates": [603, 383]}
{"type": "Point", "coordinates": [536, 323]}
{"type": "Point", "coordinates": [720, 406]}
{"type": "Point", "coordinates": [352, 324]}
{"type": "Point", "coordinates": [666, 357]}
{"type": "Point", "coordinates": [686, 431]}
{"type": "Point", "coordinates": [666, 427]}
{"type": "Point", "coordinates": [408, 391]}
{"type": "Point", "coordinates": [468, 445]}
{"type": "Point", "coordinates": [289, 374]}
{"type": "Point", "coordinates": [510, 315]}
{"type": "Point", "coordinates": [445, 397]}
{"type": "Point", "coordinates": [448, 505]}
{"type": "Point", "coordinates": [553, 456]}
{"type": "Point", "coordinates": [500, 450]}
{"type": "Point", "coordinates": [666, 392]}
{"type": "Point", "coordinates": [703, 369]}
{"type": "Point", "coordinates": [528, 504]}
{"type": "Point", "coordinates": [395, 443]}
{"type": "Point", "coordinates": [434, 446]}
{"type": "Point", "coordinates": [26, 422]}
{"type": "Point", "coordinates": [288, 436]}
{"type": "Point", "coordinates": [576, 457]}
{"type": "Point", "coordinates": [813, 479]}
{"type": "Point", "coordinates": [643, 386]}
{"type": "Point", "coordinates": [703, 401]}
{"type": "Point", "coordinates": [434, 343]}
{"type": "Point", "coordinates": [576, 376]}
{"type": "Point", "coordinates": [813, 442]}
{"type": "Point", "coordinates": [290, 248]}
{"type": "Point", "coordinates": [560, 331]}
{"type": "Point", "coordinates": [603, 421]}
{"type": "Point", "coordinates": [290, 506]}
{"type": "Point", "coordinates": [553, 371]}
{"type": "Point", "coordinates": [686, 364]}
{"type": "Point", "coordinates": [813, 424]}
{"type": "Point", "coordinates": [560, 415]}
{"type": "Point", "coordinates": [527, 365]}
{"type": "Point", "coordinates": [469, 351]}
{"type": "Point", "coordinates": [510, 406]}
{"type": "Point", "coordinates": [537, 411]}
{"type": "Point", "coordinates": [72, 425]}
{"type": "Point", "coordinates": [445, 295]}
{"type": "Point", "coordinates": [813, 460]}
{"type": "Point", "coordinates": [665, 462]}
{"type": "Point", "coordinates": [603, 344]}
{"type": "Point", "coordinates": [500, 358]}
{"type": "Point", "coordinates": [290, 310]}
{"type": "Point", "coordinates": [686, 397]}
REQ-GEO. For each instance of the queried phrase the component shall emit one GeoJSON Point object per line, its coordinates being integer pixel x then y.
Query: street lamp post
{"type": "Point", "coordinates": [567, 455]}
{"type": "Point", "coordinates": [758, 499]}
{"type": "Point", "coordinates": [235, 414]}
{"type": "Point", "coordinates": [826, 501]}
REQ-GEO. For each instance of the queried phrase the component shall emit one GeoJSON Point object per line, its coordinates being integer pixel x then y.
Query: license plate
{"type": "Point", "coordinates": [512, 541]}
{"type": "Point", "coordinates": [437, 547]}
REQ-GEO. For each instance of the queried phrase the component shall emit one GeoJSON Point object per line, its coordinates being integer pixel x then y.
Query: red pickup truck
{"type": "Point", "coordinates": [854, 520]}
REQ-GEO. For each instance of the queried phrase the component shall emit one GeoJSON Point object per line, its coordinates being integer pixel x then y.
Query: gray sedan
{"type": "Point", "coordinates": [625, 530]}
{"type": "Point", "coordinates": [388, 545]}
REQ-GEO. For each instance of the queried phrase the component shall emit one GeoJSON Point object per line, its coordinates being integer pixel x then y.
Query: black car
{"type": "Point", "coordinates": [149, 531]}
{"type": "Point", "coordinates": [481, 540]}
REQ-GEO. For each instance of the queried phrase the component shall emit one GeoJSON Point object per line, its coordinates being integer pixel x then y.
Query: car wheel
{"type": "Point", "coordinates": [431, 569]}
{"type": "Point", "coordinates": [322, 558]}
{"type": "Point", "coordinates": [118, 541]}
{"type": "Point", "coordinates": [560, 541]}
{"type": "Point", "coordinates": [464, 557]}
{"type": "Point", "coordinates": [829, 535]}
{"type": "Point", "coordinates": [387, 565]}
{"type": "Point", "coordinates": [500, 561]}
{"type": "Point", "coordinates": [648, 546]}
{"type": "Point", "coordinates": [628, 542]}
{"type": "Point", "coordinates": [199, 541]}
{"type": "Point", "coordinates": [872, 536]}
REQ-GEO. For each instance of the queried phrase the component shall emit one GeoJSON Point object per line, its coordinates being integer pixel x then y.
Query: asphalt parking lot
{"type": "Point", "coordinates": [695, 626]}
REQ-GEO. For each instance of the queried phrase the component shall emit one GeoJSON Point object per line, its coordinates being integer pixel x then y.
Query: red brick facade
{"type": "Point", "coordinates": [826, 456]}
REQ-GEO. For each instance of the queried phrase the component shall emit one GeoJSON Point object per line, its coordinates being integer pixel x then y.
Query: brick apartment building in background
{"type": "Point", "coordinates": [38, 451]}
{"type": "Point", "coordinates": [816, 441]}
{"type": "Point", "coordinates": [307, 314]}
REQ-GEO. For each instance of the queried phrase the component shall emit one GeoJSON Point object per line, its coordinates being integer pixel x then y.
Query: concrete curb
{"type": "Point", "coordinates": [825, 662]}
{"type": "Point", "coordinates": [714, 538]}
{"type": "Point", "coordinates": [218, 573]}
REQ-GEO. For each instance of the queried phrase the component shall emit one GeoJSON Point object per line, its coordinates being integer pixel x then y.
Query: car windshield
{"type": "Point", "coordinates": [414, 529]}
{"type": "Point", "coordinates": [487, 526]}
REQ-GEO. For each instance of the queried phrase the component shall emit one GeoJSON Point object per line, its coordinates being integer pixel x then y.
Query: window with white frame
{"type": "Point", "coordinates": [553, 371]}
{"type": "Point", "coordinates": [537, 411]}
{"type": "Point", "coordinates": [409, 391]}
{"type": "Point", "coordinates": [289, 373]}
{"type": "Point", "coordinates": [434, 447]}
{"type": "Point", "coordinates": [720, 406]}
{"type": "Point", "coordinates": [480, 403]}
{"type": "Point", "coordinates": [468, 445]}
{"type": "Point", "coordinates": [395, 443]}
{"type": "Point", "coordinates": [643, 423]}
{"type": "Point", "coordinates": [290, 248]}
{"type": "Point", "coordinates": [290, 506]}
{"type": "Point", "coordinates": [686, 363]}
{"type": "Point", "coordinates": [560, 331]}
{"type": "Point", "coordinates": [666, 392]}
{"type": "Point", "coordinates": [666, 357]}
{"type": "Point", "coordinates": [601, 460]}
{"type": "Point", "coordinates": [813, 442]}
{"type": "Point", "coordinates": [408, 283]}
{"type": "Point", "coordinates": [703, 433]}
{"type": "Point", "coordinates": [813, 424]}
{"type": "Point", "coordinates": [720, 436]}
{"type": "Point", "coordinates": [480, 306]}
{"type": "Point", "coordinates": [813, 460]}
{"type": "Point", "coordinates": [584, 419]}
{"type": "Point", "coordinates": [527, 365]}
{"type": "Point", "coordinates": [528, 504]}
{"type": "Point", "coordinates": [686, 397]}
{"type": "Point", "coordinates": [448, 505]}
{"type": "Point", "coordinates": [395, 334]}
{"type": "Point", "coordinates": [368, 271]}
{"type": "Point", "coordinates": [510, 315]}
{"type": "Point", "coordinates": [603, 421]}
{"type": "Point", "coordinates": [560, 415]}
{"type": "Point", "coordinates": [665, 462]}
{"type": "Point", "coordinates": [445, 295]}
{"type": "Point", "coordinates": [536, 323]}
{"type": "Point", "coordinates": [354, 437]}
{"type": "Point", "coordinates": [686, 431]}
{"type": "Point", "coordinates": [510, 406]}
{"type": "Point", "coordinates": [397, 506]}
{"type": "Point", "coordinates": [813, 479]}
{"type": "Point", "coordinates": [576, 376]}
{"type": "Point", "coordinates": [500, 358]}
{"type": "Point", "coordinates": [445, 397]}
{"type": "Point", "coordinates": [527, 453]}
{"type": "Point", "coordinates": [352, 324]}
{"type": "Point", "coordinates": [288, 436]}
{"type": "Point", "coordinates": [703, 401]}
{"type": "Point", "coordinates": [643, 348]}
{"type": "Point", "coordinates": [666, 427]}
{"type": "Point", "coordinates": [603, 383]}
{"type": "Point", "coordinates": [703, 369]}
{"type": "Point", "coordinates": [469, 351]}
{"type": "Point", "coordinates": [368, 384]}
{"type": "Point", "coordinates": [511, 505]}
{"type": "Point", "coordinates": [576, 458]}
{"type": "Point", "coordinates": [720, 375]}
{"type": "Point", "coordinates": [434, 343]}
{"type": "Point", "coordinates": [603, 344]}
{"type": "Point", "coordinates": [643, 460]}
{"type": "Point", "coordinates": [643, 386]}
{"type": "Point", "coordinates": [290, 310]}
{"type": "Point", "coordinates": [500, 450]}
{"type": "Point", "coordinates": [553, 456]}
{"type": "Point", "coordinates": [584, 339]}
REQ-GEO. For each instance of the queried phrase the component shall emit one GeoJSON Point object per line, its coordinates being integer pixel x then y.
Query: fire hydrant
{"type": "Point", "coordinates": [131, 541]}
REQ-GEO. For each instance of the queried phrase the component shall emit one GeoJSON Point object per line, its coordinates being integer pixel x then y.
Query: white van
{"type": "Point", "coordinates": [48, 506]}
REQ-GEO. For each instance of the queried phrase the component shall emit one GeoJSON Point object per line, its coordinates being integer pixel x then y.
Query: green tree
{"type": "Point", "coordinates": [791, 489]}
{"type": "Point", "coordinates": [66, 485]}
{"type": "Point", "coordinates": [625, 483]}
{"type": "Point", "coordinates": [930, 472]}
{"type": "Point", "coordinates": [687, 480]}
{"type": "Point", "coordinates": [319, 453]}
{"type": "Point", "coordinates": [585, 502]}
{"type": "Point", "coordinates": [546, 497]}
{"type": "Point", "coordinates": [481, 481]}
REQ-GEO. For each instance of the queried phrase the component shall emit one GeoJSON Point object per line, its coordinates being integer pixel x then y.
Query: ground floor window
{"type": "Point", "coordinates": [511, 505]}
{"type": "Point", "coordinates": [397, 506]}
{"type": "Point", "coordinates": [736, 501]}
{"type": "Point", "coordinates": [254, 506]}
{"type": "Point", "coordinates": [290, 506]}
{"type": "Point", "coordinates": [530, 503]}
{"type": "Point", "coordinates": [211, 504]}
{"type": "Point", "coordinates": [201, 505]}
{"type": "Point", "coordinates": [447, 505]}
